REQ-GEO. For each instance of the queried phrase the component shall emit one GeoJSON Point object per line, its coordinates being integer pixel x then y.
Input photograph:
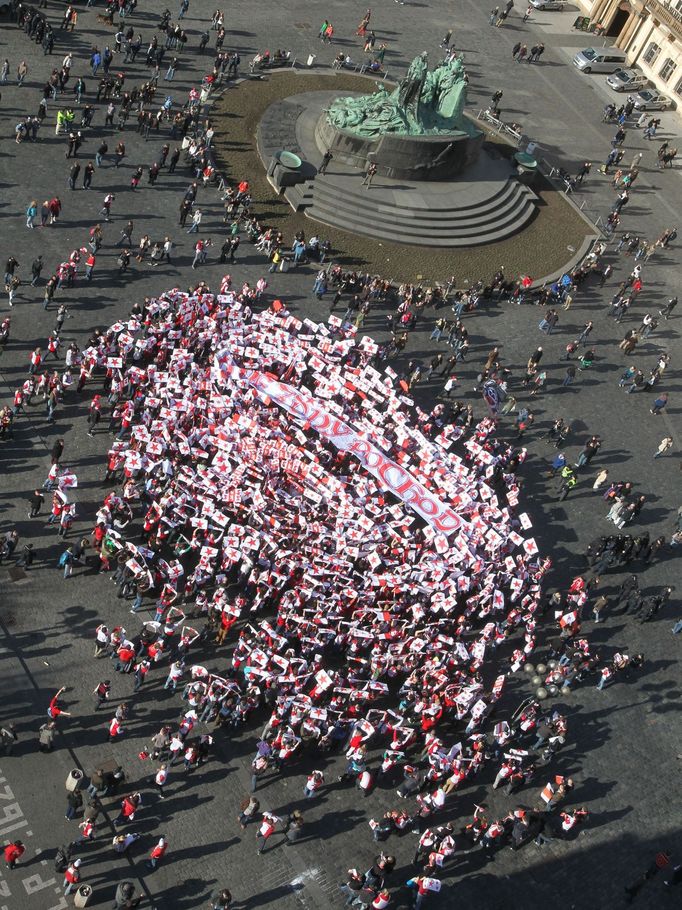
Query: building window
{"type": "Point", "coordinates": [667, 69]}
{"type": "Point", "coordinates": [651, 53]}
{"type": "Point", "coordinates": [678, 88]}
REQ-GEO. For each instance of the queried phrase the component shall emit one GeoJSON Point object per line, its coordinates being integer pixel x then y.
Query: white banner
{"type": "Point", "coordinates": [390, 475]}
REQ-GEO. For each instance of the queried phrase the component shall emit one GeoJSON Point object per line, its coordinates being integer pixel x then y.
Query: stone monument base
{"type": "Point", "coordinates": [401, 157]}
{"type": "Point", "coordinates": [486, 203]}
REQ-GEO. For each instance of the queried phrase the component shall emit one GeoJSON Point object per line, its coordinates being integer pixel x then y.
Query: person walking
{"type": "Point", "coordinates": [313, 784]}
{"type": "Point", "coordinates": [600, 479]}
{"type": "Point", "coordinates": [568, 481]}
{"type": "Point", "coordinates": [106, 206]}
{"type": "Point", "coordinates": [569, 377]}
{"type": "Point", "coordinates": [221, 900]}
{"type": "Point", "coordinates": [248, 809]}
{"type": "Point", "coordinates": [196, 221]}
{"type": "Point", "coordinates": [13, 853]}
{"type": "Point", "coordinates": [586, 331]}
{"type": "Point", "coordinates": [369, 174]}
{"type": "Point", "coordinates": [72, 876]}
{"type": "Point", "coordinates": [46, 736]}
{"type": "Point", "coordinates": [158, 852]}
{"type": "Point", "coordinates": [88, 171]}
{"type": "Point", "coordinates": [659, 404]}
{"type": "Point", "coordinates": [87, 829]}
{"type": "Point", "coordinates": [31, 212]}
{"type": "Point", "coordinates": [101, 692]}
{"type": "Point", "coordinates": [36, 269]}
{"type": "Point", "coordinates": [668, 308]}
{"type": "Point", "coordinates": [126, 237]}
{"type": "Point", "coordinates": [90, 266]}
{"type": "Point", "coordinates": [266, 830]}
{"type": "Point", "coordinates": [665, 445]}
{"type": "Point", "coordinates": [125, 899]}
{"type": "Point", "coordinates": [160, 779]}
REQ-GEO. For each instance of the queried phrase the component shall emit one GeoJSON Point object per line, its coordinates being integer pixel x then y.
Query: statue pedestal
{"type": "Point", "coordinates": [439, 157]}
{"type": "Point", "coordinates": [483, 203]}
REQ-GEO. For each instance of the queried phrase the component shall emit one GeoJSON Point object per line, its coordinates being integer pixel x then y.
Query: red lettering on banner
{"type": "Point", "coordinates": [392, 477]}
{"type": "Point", "coordinates": [338, 432]}
{"type": "Point", "coordinates": [361, 449]}
{"type": "Point", "coordinates": [422, 503]}
{"type": "Point", "coordinates": [389, 467]}
{"type": "Point", "coordinates": [319, 420]}
{"type": "Point", "coordinates": [375, 459]}
{"type": "Point", "coordinates": [447, 522]}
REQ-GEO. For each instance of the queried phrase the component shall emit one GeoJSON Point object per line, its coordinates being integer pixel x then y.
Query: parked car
{"type": "Point", "coordinates": [627, 81]}
{"type": "Point", "coordinates": [651, 100]}
{"type": "Point", "coordinates": [548, 4]}
{"type": "Point", "coordinates": [600, 60]}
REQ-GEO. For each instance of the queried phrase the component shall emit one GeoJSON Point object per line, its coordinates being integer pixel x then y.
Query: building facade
{"type": "Point", "coordinates": [650, 32]}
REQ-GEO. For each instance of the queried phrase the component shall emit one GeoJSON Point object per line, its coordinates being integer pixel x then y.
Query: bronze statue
{"type": "Point", "coordinates": [424, 103]}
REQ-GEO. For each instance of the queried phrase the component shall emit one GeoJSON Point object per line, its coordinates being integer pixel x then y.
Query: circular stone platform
{"type": "Point", "coordinates": [485, 204]}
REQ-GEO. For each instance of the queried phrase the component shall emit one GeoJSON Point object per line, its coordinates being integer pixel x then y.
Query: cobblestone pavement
{"type": "Point", "coordinates": [623, 743]}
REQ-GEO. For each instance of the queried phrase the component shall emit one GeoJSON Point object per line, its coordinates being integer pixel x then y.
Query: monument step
{"type": "Point", "coordinates": [433, 196]}
{"type": "Point", "coordinates": [402, 232]}
{"type": "Point", "coordinates": [300, 196]}
{"type": "Point", "coordinates": [440, 222]}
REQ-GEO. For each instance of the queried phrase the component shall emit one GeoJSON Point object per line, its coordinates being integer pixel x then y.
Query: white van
{"type": "Point", "coordinates": [600, 60]}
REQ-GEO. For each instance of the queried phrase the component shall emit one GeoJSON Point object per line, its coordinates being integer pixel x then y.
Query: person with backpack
{"type": "Point", "coordinates": [62, 858]}
{"type": "Point", "coordinates": [66, 562]}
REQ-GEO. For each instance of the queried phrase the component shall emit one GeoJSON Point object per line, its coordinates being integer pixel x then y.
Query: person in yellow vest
{"type": "Point", "coordinates": [276, 259]}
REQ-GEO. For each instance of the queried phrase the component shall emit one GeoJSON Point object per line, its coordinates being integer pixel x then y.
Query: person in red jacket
{"type": "Point", "coordinates": [89, 266]}
{"type": "Point", "coordinates": [13, 853]}
{"type": "Point", "coordinates": [54, 710]}
{"type": "Point", "coordinates": [157, 853]}
{"type": "Point", "coordinates": [115, 729]}
{"type": "Point", "coordinates": [129, 806]}
{"type": "Point", "coordinates": [425, 886]}
{"type": "Point", "coordinates": [72, 876]}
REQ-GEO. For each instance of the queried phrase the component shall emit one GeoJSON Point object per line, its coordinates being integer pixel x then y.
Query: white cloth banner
{"type": "Point", "coordinates": [390, 475]}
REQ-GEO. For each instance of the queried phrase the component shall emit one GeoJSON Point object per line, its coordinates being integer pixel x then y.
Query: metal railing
{"type": "Point", "coordinates": [546, 168]}
{"type": "Point", "coordinates": [568, 188]}
{"type": "Point", "coordinates": [499, 125]}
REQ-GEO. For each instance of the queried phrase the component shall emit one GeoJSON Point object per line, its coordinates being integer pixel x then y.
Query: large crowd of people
{"type": "Point", "coordinates": [304, 543]}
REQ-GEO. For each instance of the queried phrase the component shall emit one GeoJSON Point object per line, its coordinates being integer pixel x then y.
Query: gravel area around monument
{"type": "Point", "coordinates": [544, 247]}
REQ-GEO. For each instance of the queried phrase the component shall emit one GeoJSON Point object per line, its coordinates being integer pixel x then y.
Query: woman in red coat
{"type": "Point", "coordinates": [13, 853]}
{"type": "Point", "coordinates": [157, 853]}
